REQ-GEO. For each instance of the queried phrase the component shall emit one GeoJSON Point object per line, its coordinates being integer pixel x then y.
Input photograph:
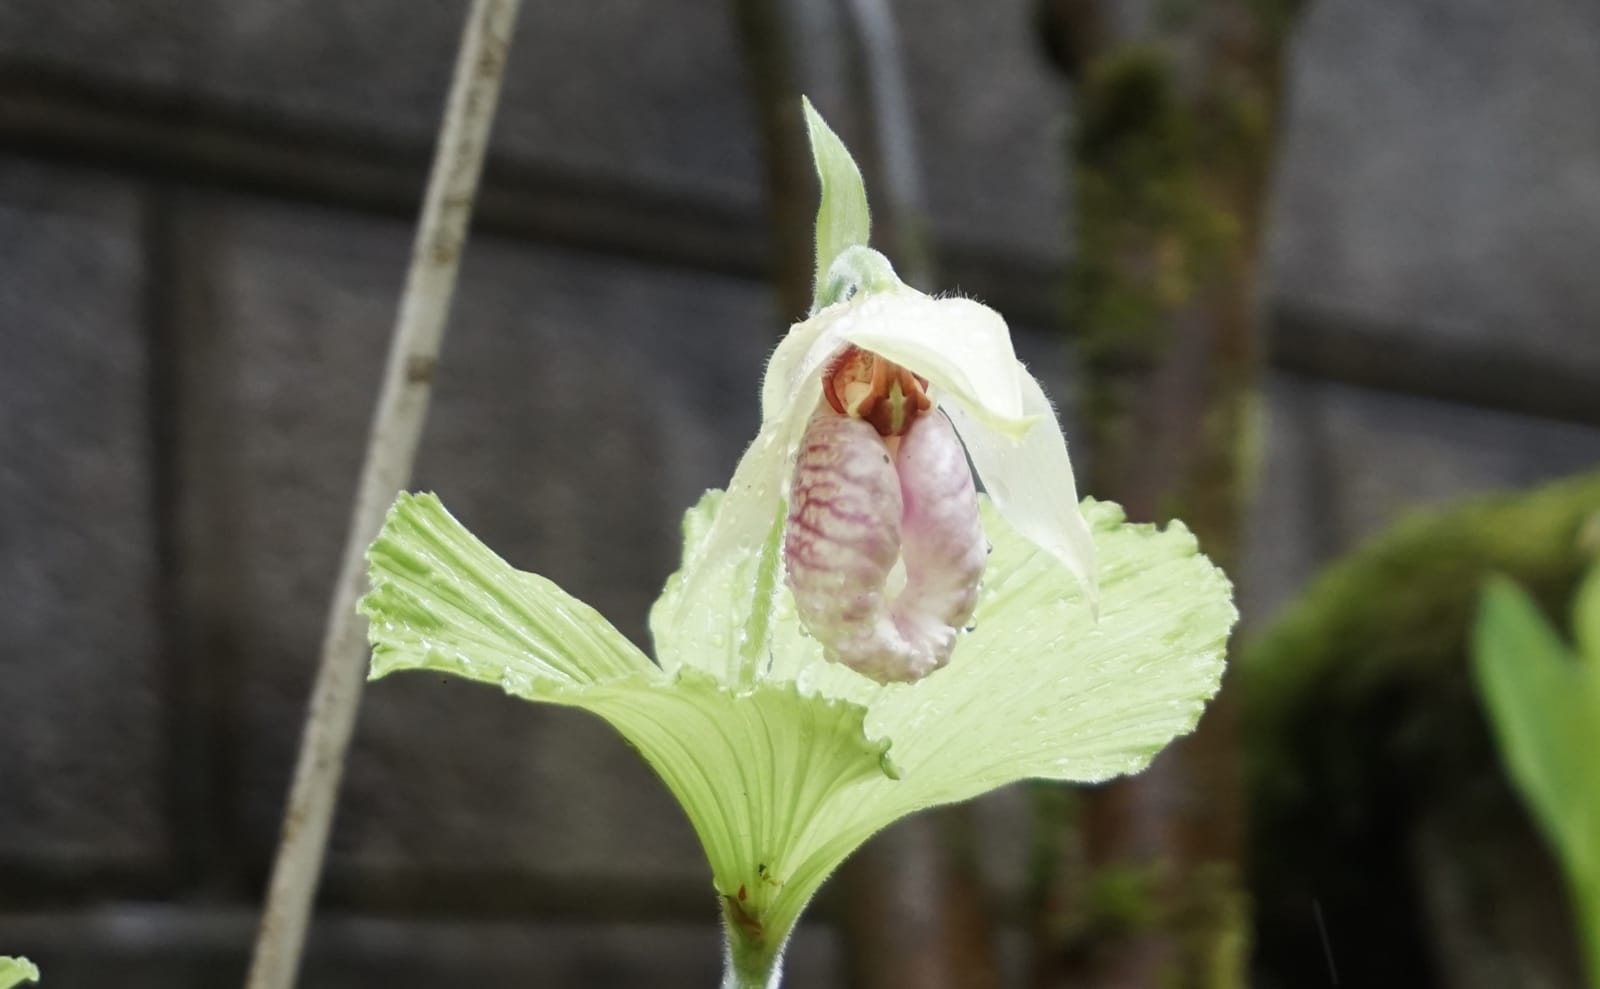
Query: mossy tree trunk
{"type": "Point", "coordinates": [1141, 882]}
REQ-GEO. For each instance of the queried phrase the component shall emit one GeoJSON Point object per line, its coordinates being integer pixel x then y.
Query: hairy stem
{"type": "Point", "coordinates": [750, 966]}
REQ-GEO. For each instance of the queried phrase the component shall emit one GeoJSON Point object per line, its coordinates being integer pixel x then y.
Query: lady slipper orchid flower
{"type": "Point", "coordinates": [862, 407]}
{"type": "Point", "coordinates": [796, 704]}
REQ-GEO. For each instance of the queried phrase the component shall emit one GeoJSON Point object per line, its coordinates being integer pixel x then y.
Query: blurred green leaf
{"type": "Point", "coordinates": [1531, 686]}
{"type": "Point", "coordinates": [1586, 618]}
{"type": "Point", "coordinates": [1544, 707]}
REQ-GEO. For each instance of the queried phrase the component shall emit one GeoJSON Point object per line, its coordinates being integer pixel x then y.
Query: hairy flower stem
{"type": "Point", "coordinates": [746, 966]}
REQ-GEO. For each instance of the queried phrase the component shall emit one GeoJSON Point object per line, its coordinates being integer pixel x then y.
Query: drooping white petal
{"type": "Point", "coordinates": [734, 552]}
{"type": "Point", "coordinates": [1030, 480]}
{"type": "Point", "coordinates": [730, 551]}
{"type": "Point", "coordinates": [961, 347]}
{"type": "Point", "coordinates": [795, 370]}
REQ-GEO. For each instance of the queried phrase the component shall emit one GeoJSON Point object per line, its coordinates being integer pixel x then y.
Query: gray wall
{"type": "Point", "coordinates": [204, 220]}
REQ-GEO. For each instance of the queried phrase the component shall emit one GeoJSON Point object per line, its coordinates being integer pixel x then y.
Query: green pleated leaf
{"type": "Point", "coordinates": [16, 971]}
{"type": "Point", "coordinates": [787, 767]}
{"type": "Point", "coordinates": [1038, 688]}
{"type": "Point", "coordinates": [766, 776]}
{"type": "Point", "coordinates": [843, 220]}
{"type": "Point", "coordinates": [441, 600]}
{"type": "Point", "coordinates": [761, 770]}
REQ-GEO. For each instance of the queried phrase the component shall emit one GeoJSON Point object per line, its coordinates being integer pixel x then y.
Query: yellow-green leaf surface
{"type": "Point", "coordinates": [16, 971]}
{"type": "Point", "coordinates": [1037, 687]}
{"type": "Point", "coordinates": [441, 600]}
{"type": "Point", "coordinates": [757, 767]}
{"type": "Point", "coordinates": [783, 762]}
{"type": "Point", "coordinates": [786, 769]}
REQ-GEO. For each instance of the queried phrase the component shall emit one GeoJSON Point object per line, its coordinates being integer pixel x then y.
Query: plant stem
{"type": "Point", "coordinates": [746, 967]}
{"type": "Point", "coordinates": [391, 451]}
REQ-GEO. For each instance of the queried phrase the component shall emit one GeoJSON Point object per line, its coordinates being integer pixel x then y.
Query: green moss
{"type": "Point", "coordinates": [1398, 609]}
{"type": "Point", "coordinates": [1126, 899]}
{"type": "Point", "coordinates": [1169, 176]}
{"type": "Point", "coordinates": [1141, 218]}
{"type": "Point", "coordinates": [1274, 19]}
{"type": "Point", "coordinates": [1164, 186]}
{"type": "Point", "coordinates": [1391, 620]}
{"type": "Point", "coordinates": [1214, 931]}
{"type": "Point", "coordinates": [1358, 712]}
{"type": "Point", "coordinates": [1054, 845]}
{"type": "Point", "coordinates": [1203, 911]}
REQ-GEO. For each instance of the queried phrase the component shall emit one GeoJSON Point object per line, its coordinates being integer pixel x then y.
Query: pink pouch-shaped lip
{"type": "Point", "coordinates": [861, 503]}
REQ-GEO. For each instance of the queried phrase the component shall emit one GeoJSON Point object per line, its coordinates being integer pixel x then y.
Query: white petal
{"type": "Point", "coordinates": [789, 394]}
{"type": "Point", "coordinates": [755, 495]}
{"type": "Point", "coordinates": [752, 502]}
{"type": "Point", "coordinates": [794, 370]}
{"type": "Point", "coordinates": [1030, 480]}
{"type": "Point", "coordinates": [961, 347]}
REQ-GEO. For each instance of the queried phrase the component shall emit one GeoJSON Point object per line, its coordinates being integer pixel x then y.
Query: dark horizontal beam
{"type": "Point", "coordinates": [152, 930]}
{"type": "Point", "coordinates": [416, 893]}
{"type": "Point", "coordinates": [48, 113]}
{"type": "Point", "coordinates": [187, 138]}
{"type": "Point", "coordinates": [1414, 360]}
